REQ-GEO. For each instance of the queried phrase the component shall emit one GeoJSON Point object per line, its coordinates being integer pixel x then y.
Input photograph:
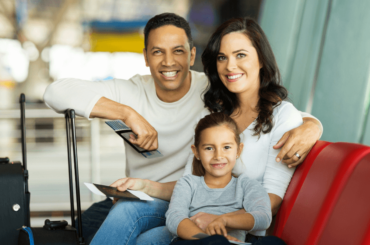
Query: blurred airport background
{"type": "Point", "coordinates": [322, 48]}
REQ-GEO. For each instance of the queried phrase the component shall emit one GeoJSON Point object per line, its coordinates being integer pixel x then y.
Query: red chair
{"type": "Point", "coordinates": [331, 205]}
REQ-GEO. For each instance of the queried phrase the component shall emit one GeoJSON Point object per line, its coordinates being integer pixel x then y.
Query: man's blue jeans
{"type": "Point", "coordinates": [135, 222]}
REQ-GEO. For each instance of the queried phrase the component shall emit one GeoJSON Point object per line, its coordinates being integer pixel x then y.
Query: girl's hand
{"type": "Point", "coordinates": [202, 220]}
{"type": "Point", "coordinates": [218, 226]}
{"type": "Point", "coordinates": [231, 238]}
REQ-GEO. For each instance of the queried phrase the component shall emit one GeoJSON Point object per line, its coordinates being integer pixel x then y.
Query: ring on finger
{"type": "Point", "coordinates": [297, 155]}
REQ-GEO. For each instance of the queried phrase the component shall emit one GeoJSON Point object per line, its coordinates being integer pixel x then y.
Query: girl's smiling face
{"type": "Point", "coordinates": [217, 150]}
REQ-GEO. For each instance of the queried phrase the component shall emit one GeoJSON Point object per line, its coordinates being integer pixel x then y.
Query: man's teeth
{"type": "Point", "coordinates": [170, 74]}
{"type": "Point", "coordinates": [234, 76]}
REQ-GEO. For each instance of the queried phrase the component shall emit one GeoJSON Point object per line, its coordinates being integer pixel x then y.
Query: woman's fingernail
{"type": "Point", "coordinates": [278, 159]}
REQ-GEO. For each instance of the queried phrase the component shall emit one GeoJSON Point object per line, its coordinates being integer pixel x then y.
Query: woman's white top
{"type": "Point", "coordinates": [257, 160]}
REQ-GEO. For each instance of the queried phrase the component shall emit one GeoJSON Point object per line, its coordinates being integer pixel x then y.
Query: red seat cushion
{"type": "Point", "coordinates": [316, 206]}
{"type": "Point", "coordinates": [349, 221]}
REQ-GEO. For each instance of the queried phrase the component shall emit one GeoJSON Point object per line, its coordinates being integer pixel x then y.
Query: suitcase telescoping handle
{"type": "Point", "coordinates": [22, 101]}
{"type": "Point", "coordinates": [71, 136]}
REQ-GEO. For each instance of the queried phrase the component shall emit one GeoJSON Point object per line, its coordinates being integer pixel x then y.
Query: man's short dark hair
{"type": "Point", "coordinates": [167, 19]}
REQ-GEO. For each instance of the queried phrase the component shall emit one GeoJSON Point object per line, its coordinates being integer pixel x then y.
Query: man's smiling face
{"type": "Point", "coordinates": [169, 58]}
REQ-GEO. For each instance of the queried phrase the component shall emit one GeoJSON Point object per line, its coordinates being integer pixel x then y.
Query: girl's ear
{"type": "Point", "coordinates": [240, 149]}
{"type": "Point", "coordinates": [195, 151]}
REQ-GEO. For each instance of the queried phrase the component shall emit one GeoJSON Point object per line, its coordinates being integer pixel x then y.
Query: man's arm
{"type": "Point", "coordinates": [299, 140]}
{"type": "Point", "coordinates": [146, 134]}
{"type": "Point", "coordinates": [99, 99]}
{"type": "Point", "coordinates": [154, 189]}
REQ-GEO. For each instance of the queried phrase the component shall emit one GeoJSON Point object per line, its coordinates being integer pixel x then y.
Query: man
{"type": "Point", "coordinates": [162, 109]}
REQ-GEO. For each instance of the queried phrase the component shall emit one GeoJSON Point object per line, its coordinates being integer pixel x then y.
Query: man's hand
{"type": "Point", "coordinates": [299, 140]}
{"type": "Point", "coordinates": [129, 183]}
{"type": "Point", "coordinates": [202, 220]}
{"type": "Point", "coordinates": [218, 226]}
{"type": "Point", "coordinates": [146, 134]}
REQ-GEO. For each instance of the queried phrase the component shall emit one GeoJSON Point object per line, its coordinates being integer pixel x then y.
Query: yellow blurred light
{"type": "Point", "coordinates": [7, 84]}
{"type": "Point", "coordinates": [117, 42]}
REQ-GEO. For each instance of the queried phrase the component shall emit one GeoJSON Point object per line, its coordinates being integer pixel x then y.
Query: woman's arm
{"type": "Point", "coordinates": [277, 175]}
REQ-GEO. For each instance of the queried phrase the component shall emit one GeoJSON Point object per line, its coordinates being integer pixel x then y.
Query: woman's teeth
{"type": "Point", "coordinates": [170, 74]}
{"type": "Point", "coordinates": [234, 76]}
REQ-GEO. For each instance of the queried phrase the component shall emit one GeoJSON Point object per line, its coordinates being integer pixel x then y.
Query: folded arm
{"type": "Point", "coordinates": [103, 99]}
{"type": "Point", "coordinates": [147, 137]}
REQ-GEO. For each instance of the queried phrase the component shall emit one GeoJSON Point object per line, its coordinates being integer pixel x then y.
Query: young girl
{"type": "Point", "coordinates": [213, 189]}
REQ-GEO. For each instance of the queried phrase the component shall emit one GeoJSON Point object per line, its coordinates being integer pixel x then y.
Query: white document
{"type": "Point", "coordinates": [139, 194]}
{"type": "Point", "coordinates": [93, 189]}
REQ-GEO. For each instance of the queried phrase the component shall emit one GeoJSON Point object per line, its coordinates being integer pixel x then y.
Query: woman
{"type": "Point", "coordinates": [245, 84]}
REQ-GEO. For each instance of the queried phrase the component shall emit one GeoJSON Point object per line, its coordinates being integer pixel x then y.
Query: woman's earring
{"type": "Point", "coordinates": [237, 156]}
{"type": "Point", "coordinates": [198, 158]}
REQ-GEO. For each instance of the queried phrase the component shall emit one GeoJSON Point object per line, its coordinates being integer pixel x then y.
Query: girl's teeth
{"type": "Point", "coordinates": [170, 74]}
{"type": "Point", "coordinates": [234, 77]}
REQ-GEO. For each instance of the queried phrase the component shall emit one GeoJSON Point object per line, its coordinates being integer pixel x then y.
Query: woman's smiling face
{"type": "Point", "coordinates": [238, 65]}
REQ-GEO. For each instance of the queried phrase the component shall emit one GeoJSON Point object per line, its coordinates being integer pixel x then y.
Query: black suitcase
{"type": "Point", "coordinates": [59, 232]}
{"type": "Point", "coordinates": [14, 194]}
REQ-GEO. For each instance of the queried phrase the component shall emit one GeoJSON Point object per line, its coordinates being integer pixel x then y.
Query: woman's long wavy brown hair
{"type": "Point", "coordinates": [210, 121]}
{"type": "Point", "coordinates": [218, 98]}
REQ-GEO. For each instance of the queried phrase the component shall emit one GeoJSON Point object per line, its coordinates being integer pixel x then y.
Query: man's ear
{"type": "Point", "coordinates": [195, 151]}
{"type": "Point", "coordinates": [240, 149]}
{"type": "Point", "coordinates": [145, 57]}
{"type": "Point", "coordinates": [193, 52]}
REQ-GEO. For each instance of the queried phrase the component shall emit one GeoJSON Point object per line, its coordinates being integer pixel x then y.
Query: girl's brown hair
{"type": "Point", "coordinates": [209, 121]}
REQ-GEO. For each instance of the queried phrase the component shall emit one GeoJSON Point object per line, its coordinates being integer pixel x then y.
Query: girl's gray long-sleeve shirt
{"type": "Point", "coordinates": [192, 195]}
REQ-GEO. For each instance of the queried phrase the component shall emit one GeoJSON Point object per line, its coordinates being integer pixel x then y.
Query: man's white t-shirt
{"type": "Point", "coordinates": [174, 121]}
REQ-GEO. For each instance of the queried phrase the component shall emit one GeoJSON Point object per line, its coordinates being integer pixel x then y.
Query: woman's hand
{"type": "Point", "coordinates": [218, 226]}
{"type": "Point", "coordinates": [299, 140]}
